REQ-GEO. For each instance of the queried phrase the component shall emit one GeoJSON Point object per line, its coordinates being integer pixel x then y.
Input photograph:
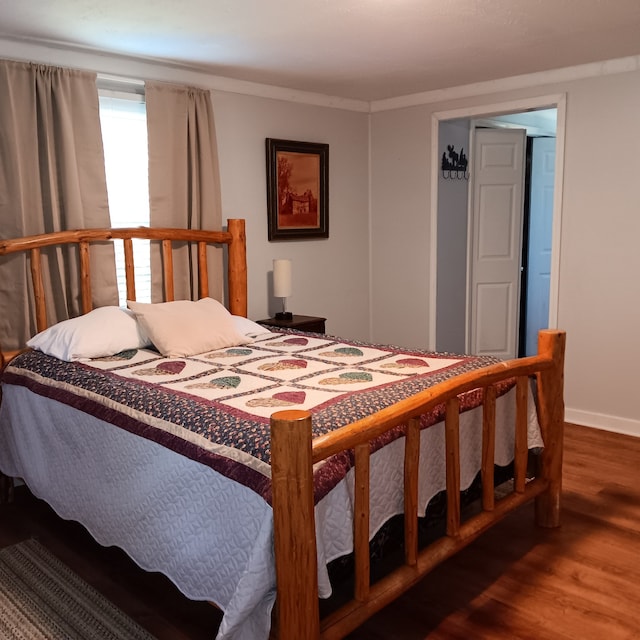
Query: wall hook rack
{"type": "Point", "coordinates": [454, 164]}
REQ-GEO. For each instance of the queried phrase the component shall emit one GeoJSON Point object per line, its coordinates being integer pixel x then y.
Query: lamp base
{"type": "Point", "coordinates": [284, 315]}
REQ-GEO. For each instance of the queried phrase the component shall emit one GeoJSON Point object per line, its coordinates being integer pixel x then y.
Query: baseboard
{"type": "Point", "coordinates": [603, 421]}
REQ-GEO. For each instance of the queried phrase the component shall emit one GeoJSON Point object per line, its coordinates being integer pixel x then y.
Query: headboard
{"type": "Point", "coordinates": [236, 275]}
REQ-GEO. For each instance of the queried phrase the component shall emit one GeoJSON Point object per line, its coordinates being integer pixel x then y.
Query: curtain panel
{"type": "Point", "coordinates": [184, 180]}
{"type": "Point", "coordinates": [52, 178]}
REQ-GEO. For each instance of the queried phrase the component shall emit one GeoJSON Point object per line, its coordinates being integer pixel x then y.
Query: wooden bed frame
{"type": "Point", "coordinates": [294, 452]}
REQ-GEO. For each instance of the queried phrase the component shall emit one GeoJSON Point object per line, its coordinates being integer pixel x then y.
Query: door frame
{"type": "Point", "coordinates": [557, 101]}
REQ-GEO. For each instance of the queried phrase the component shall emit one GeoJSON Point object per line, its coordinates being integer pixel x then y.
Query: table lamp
{"type": "Point", "coordinates": [282, 286]}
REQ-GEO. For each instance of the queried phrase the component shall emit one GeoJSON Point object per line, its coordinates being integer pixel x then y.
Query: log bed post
{"type": "Point", "coordinates": [237, 271]}
{"type": "Point", "coordinates": [551, 416]}
{"type": "Point", "coordinates": [294, 532]}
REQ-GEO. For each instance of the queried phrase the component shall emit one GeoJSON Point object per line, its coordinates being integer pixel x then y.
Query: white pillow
{"type": "Point", "coordinates": [101, 332]}
{"type": "Point", "coordinates": [248, 327]}
{"type": "Point", "coordinates": [184, 328]}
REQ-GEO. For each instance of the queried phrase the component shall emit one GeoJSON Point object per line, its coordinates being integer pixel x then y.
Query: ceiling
{"type": "Point", "coordinates": [359, 49]}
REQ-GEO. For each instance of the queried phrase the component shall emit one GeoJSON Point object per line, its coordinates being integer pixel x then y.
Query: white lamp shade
{"type": "Point", "coordinates": [282, 278]}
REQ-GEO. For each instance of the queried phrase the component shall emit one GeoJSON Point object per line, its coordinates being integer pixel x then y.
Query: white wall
{"type": "Point", "coordinates": [599, 290]}
{"type": "Point", "coordinates": [400, 147]}
{"type": "Point", "coordinates": [452, 241]}
{"type": "Point", "coordinates": [330, 276]}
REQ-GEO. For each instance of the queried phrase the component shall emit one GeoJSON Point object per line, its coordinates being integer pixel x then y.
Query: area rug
{"type": "Point", "coordinates": [42, 599]}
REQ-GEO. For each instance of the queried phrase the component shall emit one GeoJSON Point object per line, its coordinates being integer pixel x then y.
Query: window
{"type": "Point", "coordinates": [123, 119]}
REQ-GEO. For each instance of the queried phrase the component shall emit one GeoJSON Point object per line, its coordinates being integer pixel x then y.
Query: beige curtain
{"type": "Point", "coordinates": [52, 178]}
{"type": "Point", "coordinates": [184, 180]}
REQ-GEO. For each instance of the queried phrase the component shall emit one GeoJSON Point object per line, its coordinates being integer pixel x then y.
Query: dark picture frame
{"type": "Point", "coordinates": [297, 189]}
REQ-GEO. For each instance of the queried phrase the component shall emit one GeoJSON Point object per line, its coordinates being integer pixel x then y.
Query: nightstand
{"type": "Point", "coordinates": [304, 323]}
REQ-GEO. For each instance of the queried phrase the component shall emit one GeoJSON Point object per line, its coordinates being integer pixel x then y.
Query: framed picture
{"type": "Point", "coordinates": [297, 189]}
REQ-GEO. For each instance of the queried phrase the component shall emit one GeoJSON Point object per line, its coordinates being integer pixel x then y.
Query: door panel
{"type": "Point", "coordinates": [498, 180]}
{"type": "Point", "coordinates": [494, 303]}
{"type": "Point", "coordinates": [495, 233]}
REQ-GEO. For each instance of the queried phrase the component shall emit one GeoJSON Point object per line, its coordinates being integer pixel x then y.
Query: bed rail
{"type": "Point", "coordinates": [293, 453]}
{"type": "Point", "coordinates": [234, 238]}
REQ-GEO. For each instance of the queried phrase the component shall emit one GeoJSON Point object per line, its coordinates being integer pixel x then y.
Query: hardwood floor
{"type": "Point", "coordinates": [578, 582]}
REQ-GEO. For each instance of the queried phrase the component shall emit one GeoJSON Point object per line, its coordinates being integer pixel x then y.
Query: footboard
{"type": "Point", "coordinates": [294, 452]}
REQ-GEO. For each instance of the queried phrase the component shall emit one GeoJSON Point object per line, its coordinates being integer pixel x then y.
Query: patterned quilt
{"type": "Point", "coordinates": [215, 407]}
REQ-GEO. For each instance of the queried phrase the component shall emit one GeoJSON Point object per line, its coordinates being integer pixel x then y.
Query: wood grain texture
{"type": "Point", "coordinates": [294, 531]}
{"type": "Point", "coordinates": [551, 416]}
{"type": "Point", "coordinates": [38, 289]}
{"type": "Point", "coordinates": [411, 477]}
{"type": "Point", "coordinates": [361, 522]}
{"type": "Point", "coordinates": [237, 268]}
{"type": "Point", "coordinates": [488, 447]}
{"type": "Point", "coordinates": [521, 445]}
{"type": "Point", "coordinates": [85, 277]}
{"type": "Point", "coordinates": [452, 447]}
{"type": "Point", "coordinates": [167, 269]}
{"type": "Point", "coordinates": [129, 269]}
{"type": "Point", "coordinates": [203, 272]}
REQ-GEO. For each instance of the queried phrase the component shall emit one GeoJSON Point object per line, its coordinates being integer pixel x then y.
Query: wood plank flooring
{"type": "Point", "coordinates": [578, 582]}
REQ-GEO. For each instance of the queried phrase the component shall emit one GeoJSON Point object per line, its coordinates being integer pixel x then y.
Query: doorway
{"type": "Point", "coordinates": [451, 306]}
{"type": "Point", "coordinates": [536, 245]}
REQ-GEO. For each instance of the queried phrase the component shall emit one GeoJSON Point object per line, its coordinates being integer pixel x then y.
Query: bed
{"type": "Point", "coordinates": [245, 472]}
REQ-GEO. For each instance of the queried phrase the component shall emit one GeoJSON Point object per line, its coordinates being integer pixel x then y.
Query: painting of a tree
{"type": "Point", "coordinates": [297, 188]}
{"type": "Point", "coordinates": [284, 174]}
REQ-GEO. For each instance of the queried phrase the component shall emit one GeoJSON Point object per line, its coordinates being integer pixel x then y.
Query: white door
{"type": "Point", "coordinates": [543, 160]}
{"type": "Point", "coordinates": [496, 240]}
